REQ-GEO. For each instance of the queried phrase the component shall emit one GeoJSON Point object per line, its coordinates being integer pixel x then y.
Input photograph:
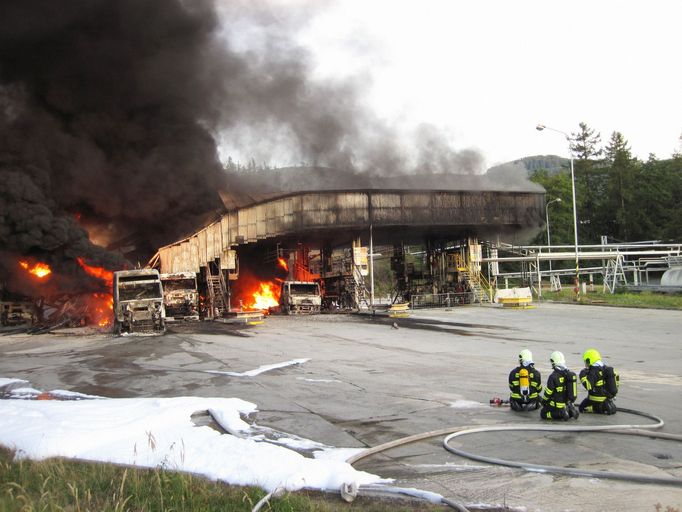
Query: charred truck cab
{"type": "Point", "coordinates": [300, 297]}
{"type": "Point", "coordinates": [138, 302]}
{"type": "Point", "coordinates": [180, 296]}
{"type": "Point", "coordinates": [17, 313]}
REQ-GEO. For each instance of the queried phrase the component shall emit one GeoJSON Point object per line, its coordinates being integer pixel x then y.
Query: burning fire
{"type": "Point", "coordinates": [100, 273]}
{"type": "Point", "coordinates": [101, 305]}
{"type": "Point", "coordinates": [39, 270]}
{"type": "Point", "coordinates": [255, 294]}
{"type": "Point", "coordinates": [96, 307]}
{"type": "Point", "coordinates": [265, 297]}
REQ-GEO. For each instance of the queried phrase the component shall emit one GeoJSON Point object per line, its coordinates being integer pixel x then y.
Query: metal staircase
{"type": "Point", "coordinates": [478, 283]}
{"type": "Point", "coordinates": [359, 289]}
{"type": "Point", "coordinates": [217, 294]}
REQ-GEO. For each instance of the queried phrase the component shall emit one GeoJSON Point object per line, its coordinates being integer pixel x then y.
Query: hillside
{"type": "Point", "coordinates": [528, 164]}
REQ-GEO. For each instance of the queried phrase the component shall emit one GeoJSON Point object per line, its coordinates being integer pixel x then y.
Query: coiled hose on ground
{"type": "Point", "coordinates": [451, 433]}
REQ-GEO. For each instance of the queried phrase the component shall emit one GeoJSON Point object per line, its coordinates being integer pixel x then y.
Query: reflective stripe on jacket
{"type": "Point", "coordinates": [592, 379]}
{"type": "Point", "coordinates": [560, 387]}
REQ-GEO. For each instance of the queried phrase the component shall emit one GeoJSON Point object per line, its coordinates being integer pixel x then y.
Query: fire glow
{"type": "Point", "coordinates": [100, 273]}
{"type": "Point", "coordinates": [265, 297]}
{"type": "Point", "coordinates": [40, 270]}
{"type": "Point", "coordinates": [100, 305]}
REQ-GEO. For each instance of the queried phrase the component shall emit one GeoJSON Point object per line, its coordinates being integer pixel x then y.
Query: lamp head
{"type": "Point", "coordinates": [540, 127]}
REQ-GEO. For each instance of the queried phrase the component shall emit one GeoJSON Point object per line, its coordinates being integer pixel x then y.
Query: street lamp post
{"type": "Point", "coordinates": [549, 242]}
{"type": "Point", "coordinates": [371, 270]}
{"type": "Point", "coordinates": [541, 127]}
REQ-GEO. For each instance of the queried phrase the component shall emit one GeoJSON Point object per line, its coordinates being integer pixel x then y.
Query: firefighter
{"type": "Point", "coordinates": [525, 384]}
{"type": "Point", "coordinates": [560, 392]}
{"type": "Point", "coordinates": [601, 382]}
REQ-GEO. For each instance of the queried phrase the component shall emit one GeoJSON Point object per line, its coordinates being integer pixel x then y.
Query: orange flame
{"type": "Point", "coordinates": [39, 270]}
{"type": "Point", "coordinates": [100, 273]}
{"type": "Point", "coordinates": [265, 297]}
{"type": "Point", "coordinates": [283, 263]}
{"type": "Point", "coordinates": [101, 304]}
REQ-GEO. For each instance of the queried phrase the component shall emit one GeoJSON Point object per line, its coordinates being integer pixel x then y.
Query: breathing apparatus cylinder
{"type": "Point", "coordinates": [524, 383]}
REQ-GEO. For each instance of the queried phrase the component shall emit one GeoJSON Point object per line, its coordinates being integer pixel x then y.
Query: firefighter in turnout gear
{"type": "Point", "coordinates": [560, 392]}
{"type": "Point", "coordinates": [525, 384]}
{"type": "Point", "coordinates": [601, 382]}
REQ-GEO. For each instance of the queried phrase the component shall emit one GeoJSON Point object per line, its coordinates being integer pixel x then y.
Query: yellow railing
{"type": "Point", "coordinates": [476, 277]}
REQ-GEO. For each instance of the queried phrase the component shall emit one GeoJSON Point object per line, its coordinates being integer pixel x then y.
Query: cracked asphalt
{"type": "Point", "coordinates": [369, 382]}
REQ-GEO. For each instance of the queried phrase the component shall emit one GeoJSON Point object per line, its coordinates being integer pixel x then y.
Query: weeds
{"type": "Point", "coordinates": [58, 485]}
{"type": "Point", "coordinates": [645, 299]}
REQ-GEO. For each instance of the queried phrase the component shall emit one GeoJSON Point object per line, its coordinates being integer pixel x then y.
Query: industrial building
{"type": "Point", "coordinates": [309, 224]}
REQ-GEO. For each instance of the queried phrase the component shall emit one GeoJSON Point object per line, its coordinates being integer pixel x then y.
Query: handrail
{"type": "Point", "coordinates": [487, 286]}
{"type": "Point", "coordinates": [478, 278]}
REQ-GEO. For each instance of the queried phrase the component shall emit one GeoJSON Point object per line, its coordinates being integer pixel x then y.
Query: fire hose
{"type": "Point", "coordinates": [451, 433]}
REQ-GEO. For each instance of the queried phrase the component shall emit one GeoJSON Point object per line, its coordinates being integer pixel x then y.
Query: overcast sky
{"type": "Point", "coordinates": [487, 72]}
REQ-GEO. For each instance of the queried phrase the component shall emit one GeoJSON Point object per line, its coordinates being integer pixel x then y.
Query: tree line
{"type": "Point", "coordinates": [617, 195]}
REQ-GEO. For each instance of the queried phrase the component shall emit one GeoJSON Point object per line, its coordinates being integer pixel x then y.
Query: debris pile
{"type": "Point", "coordinates": [65, 310]}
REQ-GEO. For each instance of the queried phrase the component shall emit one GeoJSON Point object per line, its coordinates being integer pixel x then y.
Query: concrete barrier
{"type": "Point", "coordinates": [514, 298]}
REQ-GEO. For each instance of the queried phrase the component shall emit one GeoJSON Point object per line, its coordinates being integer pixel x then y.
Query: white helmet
{"type": "Point", "coordinates": [557, 359]}
{"type": "Point", "coordinates": [525, 357]}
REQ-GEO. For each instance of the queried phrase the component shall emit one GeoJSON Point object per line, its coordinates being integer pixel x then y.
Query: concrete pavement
{"type": "Point", "coordinates": [369, 381]}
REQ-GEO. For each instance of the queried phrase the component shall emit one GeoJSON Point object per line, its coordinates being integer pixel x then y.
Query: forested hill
{"type": "Point", "coordinates": [617, 195]}
{"type": "Point", "coordinates": [551, 163]}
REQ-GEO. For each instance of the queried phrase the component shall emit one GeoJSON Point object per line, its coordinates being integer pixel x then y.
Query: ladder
{"type": "Point", "coordinates": [217, 293]}
{"type": "Point", "coordinates": [359, 288]}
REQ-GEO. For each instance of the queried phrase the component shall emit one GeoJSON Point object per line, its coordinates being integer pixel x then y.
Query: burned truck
{"type": "Point", "coordinates": [180, 296]}
{"type": "Point", "coordinates": [13, 313]}
{"type": "Point", "coordinates": [138, 302]}
{"type": "Point", "coordinates": [300, 297]}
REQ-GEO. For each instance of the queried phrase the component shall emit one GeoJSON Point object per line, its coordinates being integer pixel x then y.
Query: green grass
{"type": "Point", "coordinates": [59, 485]}
{"type": "Point", "coordinates": [644, 299]}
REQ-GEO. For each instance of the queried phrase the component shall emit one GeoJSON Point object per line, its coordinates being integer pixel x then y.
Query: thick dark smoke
{"type": "Point", "coordinates": [287, 117]}
{"type": "Point", "coordinates": [110, 111]}
{"type": "Point", "coordinates": [106, 110]}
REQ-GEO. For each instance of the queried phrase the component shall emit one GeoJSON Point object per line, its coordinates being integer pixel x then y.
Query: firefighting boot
{"type": "Point", "coordinates": [573, 411]}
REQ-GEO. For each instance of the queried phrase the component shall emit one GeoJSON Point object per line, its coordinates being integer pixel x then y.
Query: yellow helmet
{"type": "Point", "coordinates": [591, 356]}
{"type": "Point", "coordinates": [525, 356]}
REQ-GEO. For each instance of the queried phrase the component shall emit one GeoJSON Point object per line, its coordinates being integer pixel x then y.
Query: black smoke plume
{"type": "Point", "coordinates": [110, 111]}
{"type": "Point", "coordinates": [105, 114]}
